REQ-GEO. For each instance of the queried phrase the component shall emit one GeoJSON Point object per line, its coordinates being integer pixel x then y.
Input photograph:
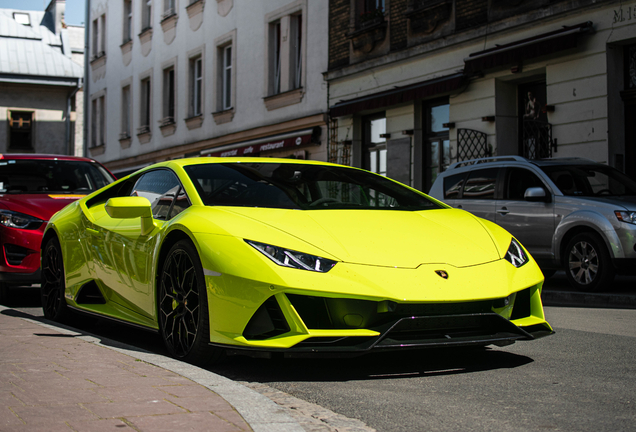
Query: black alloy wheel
{"type": "Point", "coordinates": [53, 285]}
{"type": "Point", "coordinates": [588, 265]}
{"type": "Point", "coordinates": [183, 306]}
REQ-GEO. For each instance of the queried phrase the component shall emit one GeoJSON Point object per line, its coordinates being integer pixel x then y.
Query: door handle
{"type": "Point", "coordinates": [503, 211]}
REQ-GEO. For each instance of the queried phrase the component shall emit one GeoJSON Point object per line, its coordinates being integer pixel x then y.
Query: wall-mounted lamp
{"type": "Point", "coordinates": [407, 132]}
{"type": "Point", "coordinates": [385, 135]}
{"type": "Point", "coordinates": [488, 118]}
{"type": "Point", "coordinates": [448, 125]}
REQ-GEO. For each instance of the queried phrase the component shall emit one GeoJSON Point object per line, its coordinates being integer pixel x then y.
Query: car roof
{"type": "Point", "coordinates": [43, 157]}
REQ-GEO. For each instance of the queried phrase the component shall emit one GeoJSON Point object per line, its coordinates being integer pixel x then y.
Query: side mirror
{"type": "Point", "coordinates": [131, 208]}
{"type": "Point", "coordinates": [536, 194]}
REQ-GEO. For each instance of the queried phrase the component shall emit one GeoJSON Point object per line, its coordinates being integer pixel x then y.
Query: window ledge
{"type": "Point", "coordinates": [167, 126]}
{"type": "Point", "coordinates": [195, 8]}
{"type": "Point", "coordinates": [98, 61]}
{"type": "Point", "coordinates": [194, 122]}
{"type": "Point", "coordinates": [224, 116]}
{"type": "Point", "coordinates": [284, 99]}
{"type": "Point", "coordinates": [97, 150]}
{"type": "Point", "coordinates": [144, 135]}
{"type": "Point", "coordinates": [125, 141]}
{"type": "Point", "coordinates": [126, 45]}
{"type": "Point", "coordinates": [169, 21]}
{"type": "Point", "coordinates": [145, 35]}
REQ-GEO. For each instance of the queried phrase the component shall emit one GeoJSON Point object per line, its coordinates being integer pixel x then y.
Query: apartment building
{"type": "Point", "coordinates": [416, 85]}
{"type": "Point", "coordinates": [172, 78]}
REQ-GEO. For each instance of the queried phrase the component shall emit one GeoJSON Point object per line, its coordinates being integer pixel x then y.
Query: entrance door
{"type": "Point", "coordinates": [629, 99]}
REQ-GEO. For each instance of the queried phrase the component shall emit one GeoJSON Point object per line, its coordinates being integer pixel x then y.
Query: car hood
{"type": "Point", "coordinates": [388, 238]}
{"type": "Point", "coordinates": [41, 206]}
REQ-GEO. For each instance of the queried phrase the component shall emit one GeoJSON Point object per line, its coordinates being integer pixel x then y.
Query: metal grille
{"type": "Point", "coordinates": [339, 151]}
{"type": "Point", "coordinates": [471, 144]}
{"type": "Point", "coordinates": [537, 139]}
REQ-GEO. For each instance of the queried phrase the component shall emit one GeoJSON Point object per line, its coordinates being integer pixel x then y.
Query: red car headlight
{"type": "Point", "coordinates": [19, 220]}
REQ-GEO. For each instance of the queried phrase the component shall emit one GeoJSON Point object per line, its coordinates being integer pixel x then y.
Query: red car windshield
{"type": "Point", "coordinates": [33, 176]}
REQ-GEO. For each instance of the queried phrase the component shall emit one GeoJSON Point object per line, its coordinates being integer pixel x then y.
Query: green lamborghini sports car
{"type": "Point", "coordinates": [280, 255]}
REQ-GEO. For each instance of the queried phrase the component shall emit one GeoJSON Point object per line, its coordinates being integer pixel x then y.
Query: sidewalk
{"type": "Point", "coordinates": [53, 379]}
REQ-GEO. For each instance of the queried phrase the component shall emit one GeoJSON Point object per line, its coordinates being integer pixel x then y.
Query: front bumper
{"type": "Point", "coordinates": [20, 254]}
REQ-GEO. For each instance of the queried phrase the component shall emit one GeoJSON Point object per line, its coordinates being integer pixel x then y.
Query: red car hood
{"type": "Point", "coordinates": [41, 206]}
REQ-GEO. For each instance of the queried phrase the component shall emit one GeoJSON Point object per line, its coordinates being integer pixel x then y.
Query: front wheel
{"type": "Point", "coordinates": [183, 306]}
{"type": "Point", "coordinates": [53, 285]}
{"type": "Point", "coordinates": [588, 265]}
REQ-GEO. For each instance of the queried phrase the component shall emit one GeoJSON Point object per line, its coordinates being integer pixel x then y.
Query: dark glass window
{"type": "Point", "coordinates": [590, 180]}
{"type": "Point", "coordinates": [162, 188]}
{"type": "Point", "coordinates": [453, 186]}
{"type": "Point", "coordinates": [481, 184]}
{"type": "Point", "coordinates": [21, 130]}
{"type": "Point", "coordinates": [519, 180]}
{"type": "Point", "coordinates": [300, 186]}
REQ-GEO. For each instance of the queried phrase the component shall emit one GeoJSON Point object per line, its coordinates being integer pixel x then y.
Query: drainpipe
{"type": "Point", "coordinates": [87, 16]}
{"type": "Point", "coordinates": [69, 141]}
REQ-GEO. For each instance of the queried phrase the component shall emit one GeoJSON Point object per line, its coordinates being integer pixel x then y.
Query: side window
{"type": "Point", "coordinates": [519, 180]}
{"type": "Point", "coordinates": [453, 186]}
{"type": "Point", "coordinates": [162, 188]}
{"type": "Point", "coordinates": [480, 184]}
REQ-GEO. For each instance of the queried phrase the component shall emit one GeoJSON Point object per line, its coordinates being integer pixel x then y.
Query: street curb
{"type": "Point", "coordinates": [260, 413]}
{"type": "Point", "coordinates": [579, 299]}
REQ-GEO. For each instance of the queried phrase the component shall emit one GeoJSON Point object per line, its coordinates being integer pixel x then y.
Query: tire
{"type": "Point", "coordinates": [53, 284]}
{"type": "Point", "coordinates": [588, 265]}
{"type": "Point", "coordinates": [183, 306]}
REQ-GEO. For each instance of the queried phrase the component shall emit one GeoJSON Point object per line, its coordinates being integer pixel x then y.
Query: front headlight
{"type": "Point", "coordinates": [294, 259]}
{"type": "Point", "coordinates": [18, 220]}
{"type": "Point", "coordinates": [516, 255]}
{"type": "Point", "coordinates": [626, 216]}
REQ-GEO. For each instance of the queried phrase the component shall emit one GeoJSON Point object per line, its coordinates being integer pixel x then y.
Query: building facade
{"type": "Point", "coordinates": [416, 85]}
{"type": "Point", "coordinates": [172, 78]}
{"type": "Point", "coordinates": [41, 72]}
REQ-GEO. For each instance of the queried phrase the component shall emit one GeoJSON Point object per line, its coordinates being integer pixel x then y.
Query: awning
{"type": "Point", "coordinates": [399, 95]}
{"type": "Point", "coordinates": [253, 147]}
{"type": "Point", "coordinates": [515, 52]}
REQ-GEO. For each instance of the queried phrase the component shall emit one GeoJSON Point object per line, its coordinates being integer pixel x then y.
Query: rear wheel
{"type": "Point", "coordinates": [183, 306]}
{"type": "Point", "coordinates": [588, 264]}
{"type": "Point", "coordinates": [53, 284]}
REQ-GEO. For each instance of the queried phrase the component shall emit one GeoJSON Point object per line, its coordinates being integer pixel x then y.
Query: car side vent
{"type": "Point", "coordinates": [267, 322]}
{"type": "Point", "coordinates": [90, 294]}
{"type": "Point", "coordinates": [15, 254]}
{"type": "Point", "coordinates": [521, 308]}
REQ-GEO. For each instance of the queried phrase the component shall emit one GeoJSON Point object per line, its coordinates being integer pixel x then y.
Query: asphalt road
{"type": "Point", "coordinates": [583, 378]}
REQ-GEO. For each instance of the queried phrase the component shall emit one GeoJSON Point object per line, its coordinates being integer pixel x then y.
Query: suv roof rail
{"type": "Point", "coordinates": [487, 159]}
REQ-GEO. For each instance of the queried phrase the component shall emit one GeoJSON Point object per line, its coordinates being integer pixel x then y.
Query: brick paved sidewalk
{"type": "Point", "coordinates": [53, 381]}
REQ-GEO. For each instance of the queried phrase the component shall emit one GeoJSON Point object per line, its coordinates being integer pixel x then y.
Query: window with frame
{"type": "Point", "coordinates": [437, 114]}
{"type": "Point", "coordinates": [145, 101]}
{"type": "Point", "coordinates": [99, 37]}
{"type": "Point", "coordinates": [126, 112]}
{"type": "Point", "coordinates": [369, 12]}
{"type": "Point", "coordinates": [21, 130]}
{"type": "Point", "coordinates": [169, 8]}
{"type": "Point", "coordinates": [227, 77]}
{"type": "Point", "coordinates": [374, 143]}
{"type": "Point", "coordinates": [146, 15]}
{"type": "Point", "coordinates": [196, 86]}
{"type": "Point", "coordinates": [275, 58]}
{"type": "Point", "coordinates": [168, 96]}
{"type": "Point", "coordinates": [98, 121]}
{"type": "Point", "coordinates": [296, 63]}
{"type": "Point", "coordinates": [128, 16]}
{"type": "Point", "coordinates": [480, 184]}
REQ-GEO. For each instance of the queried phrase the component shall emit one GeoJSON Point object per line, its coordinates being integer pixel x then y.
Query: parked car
{"type": "Point", "coordinates": [32, 188]}
{"type": "Point", "coordinates": [570, 213]}
{"type": "Point", "coordinates": [299, 257]}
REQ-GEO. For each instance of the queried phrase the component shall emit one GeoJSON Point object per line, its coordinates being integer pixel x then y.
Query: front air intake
{"type": "Point", "coordinates": [268, 321]}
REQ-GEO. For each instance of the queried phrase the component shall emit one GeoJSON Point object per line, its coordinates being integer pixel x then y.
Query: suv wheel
{"type": "Point", "coordinates": [587, 263]}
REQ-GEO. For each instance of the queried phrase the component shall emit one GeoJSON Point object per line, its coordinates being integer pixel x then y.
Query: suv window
{"type": "Point", "coordinates": [480, 184]}
{"type": "Point", "coordinates": [519, 180]}
{"type": "Point", "coordinates": [590, 180]}
{"type": "Point", "coordinates": [453, 186]}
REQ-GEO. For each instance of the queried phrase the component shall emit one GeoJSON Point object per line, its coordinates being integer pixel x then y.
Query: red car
{"type": "Point", "coordinates": [33, 187]}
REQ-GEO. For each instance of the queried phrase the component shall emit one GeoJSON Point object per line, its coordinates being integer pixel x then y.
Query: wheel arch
{"type": "Point", "coordinates": [585, 221]}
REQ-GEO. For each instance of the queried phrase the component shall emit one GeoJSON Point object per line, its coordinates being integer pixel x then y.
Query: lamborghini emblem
{"type": "Point", "coordinates": [442, 274]}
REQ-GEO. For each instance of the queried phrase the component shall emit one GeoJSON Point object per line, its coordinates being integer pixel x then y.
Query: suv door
{"type": "Point", "coordinates": [532, 223]}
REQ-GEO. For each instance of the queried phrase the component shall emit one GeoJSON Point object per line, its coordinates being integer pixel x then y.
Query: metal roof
{"type": "Point", "coordinates": [32, 53]}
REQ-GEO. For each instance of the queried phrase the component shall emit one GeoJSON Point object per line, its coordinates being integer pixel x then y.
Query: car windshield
{"type": "Point", "coordinates": [300, 186]}
{"type": "Point", "coordinates": [36, 176]}
{"type": "Point", "coordinates": [590, 180]}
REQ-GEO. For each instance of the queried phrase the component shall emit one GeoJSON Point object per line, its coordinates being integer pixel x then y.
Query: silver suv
{"type": "Point", "coordinates": [570, 213]}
